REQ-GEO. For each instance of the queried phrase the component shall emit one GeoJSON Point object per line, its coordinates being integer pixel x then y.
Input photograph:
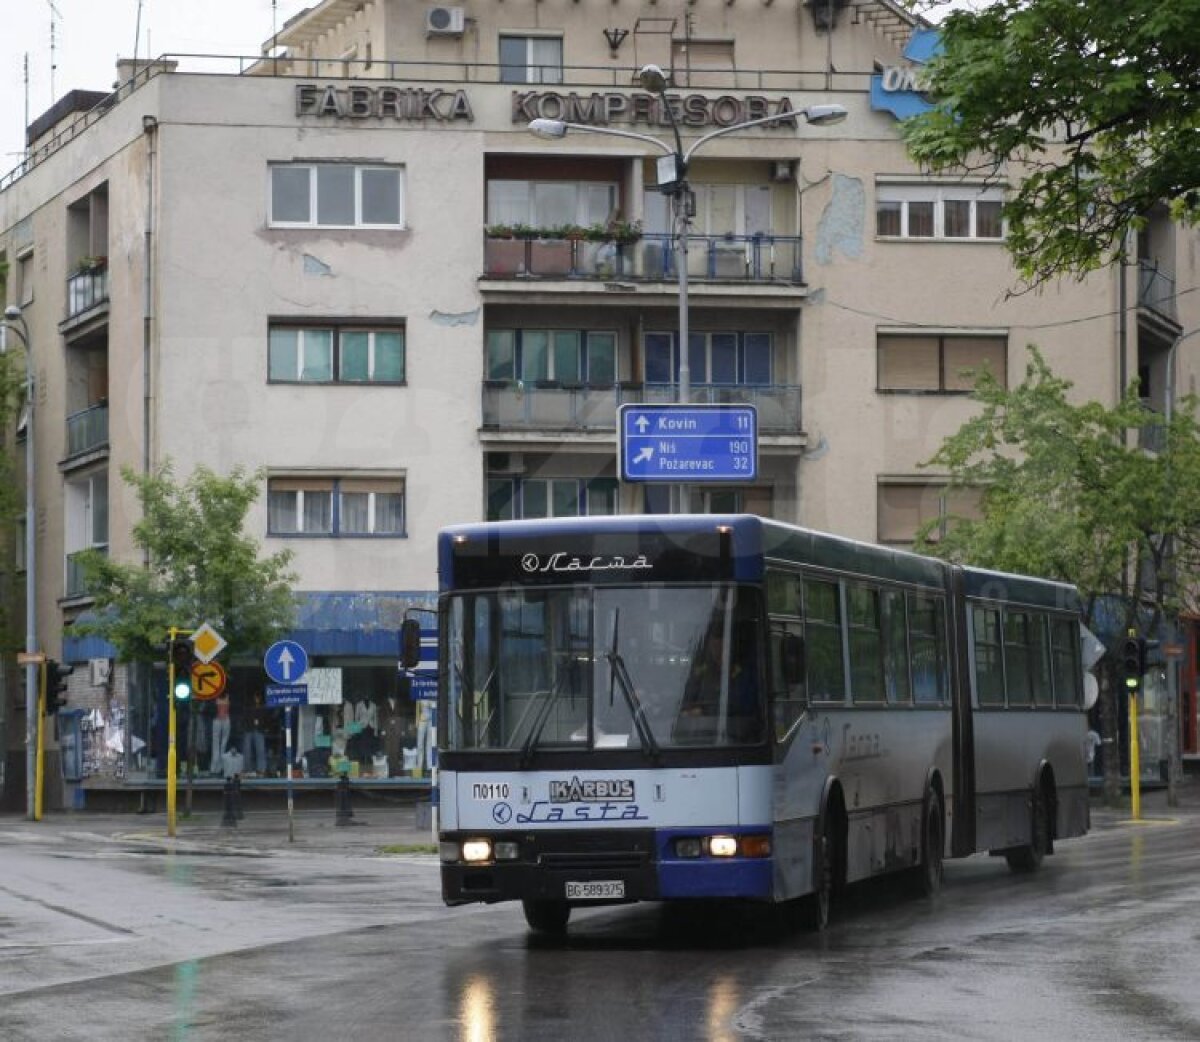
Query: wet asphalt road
{"type": "Point", "coordinates": [116, 937]}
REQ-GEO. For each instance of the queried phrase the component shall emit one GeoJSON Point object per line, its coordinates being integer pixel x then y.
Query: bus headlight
{"type": "Point", "coordinates": [507, 850]}
{"type": "Point", "coordinates": [687, 846]}
{"type": "Point", "coordinates": [476, 850]}
{"type": "Point", "coordinates": [722, 846]}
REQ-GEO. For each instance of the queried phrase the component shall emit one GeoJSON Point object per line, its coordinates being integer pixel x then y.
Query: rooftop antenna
{"type": "Point", "coordinates": [137, 37]}
{"type": "Point", "coordinates": [54, 14]}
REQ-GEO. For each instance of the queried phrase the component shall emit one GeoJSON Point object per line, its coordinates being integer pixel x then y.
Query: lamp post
{"type": "Point", "coordinates": [673, 179]}
{"type": "Point", "coordinates": [15, 322]}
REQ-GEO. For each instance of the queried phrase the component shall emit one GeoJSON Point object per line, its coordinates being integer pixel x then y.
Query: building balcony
{"type": "Point", "coordinates": [1156, 290]}
{"type": "Point", "coordinates": [547, 406]}
{"type": "Point", "coordinates": [711, 258]}
{"type": "Point", "coordinates": [86, 289]}
{"type": "Point", "coordinates": [87, 431]}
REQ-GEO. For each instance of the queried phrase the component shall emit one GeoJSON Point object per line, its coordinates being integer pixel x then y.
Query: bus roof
{"type": "Point", "coordinates": [754, 541]}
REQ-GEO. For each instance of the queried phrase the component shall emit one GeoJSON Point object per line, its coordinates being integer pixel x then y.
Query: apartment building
{"type": "Point", "coordinates": [348, 262]}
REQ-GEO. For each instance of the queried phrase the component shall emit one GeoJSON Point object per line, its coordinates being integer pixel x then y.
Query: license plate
{"type": "Point", "coordinates": [600, 890]}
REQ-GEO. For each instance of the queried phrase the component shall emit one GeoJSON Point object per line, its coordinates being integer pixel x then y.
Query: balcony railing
{"type": "Point", "coordinates": [86, 289]}
{"type": "Point", "coordinates": [548, 406]}
{"type": "Point", "coordinates": [75, 585]}
{"type": "Point", "coordinates": [87, 430]}
{"type": "Point", "coordinates": [1156, 290]}
{"type": "Point", "coordinates": [711, 258]}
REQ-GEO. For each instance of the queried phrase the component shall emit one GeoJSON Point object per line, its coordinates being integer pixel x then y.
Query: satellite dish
{"type": "Point", "coordinates": [1091, 690]}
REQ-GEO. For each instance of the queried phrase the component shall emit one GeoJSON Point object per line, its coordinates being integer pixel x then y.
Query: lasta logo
{"type": "Point", "coordinates": [564, 562]}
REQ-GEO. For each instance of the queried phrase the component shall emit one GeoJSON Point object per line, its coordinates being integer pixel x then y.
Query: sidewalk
{"type": "Point", "coordinates": [260, 832]}
{"type": "Point", "coordinates": [376, 826]}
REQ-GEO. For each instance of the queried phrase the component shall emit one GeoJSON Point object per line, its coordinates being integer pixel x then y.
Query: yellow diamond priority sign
{"type": "Point", "coordinates": [207, 643]}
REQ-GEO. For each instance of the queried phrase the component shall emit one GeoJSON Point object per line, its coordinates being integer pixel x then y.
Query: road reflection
{"type": "Point", "coordinates": [477, 1010]}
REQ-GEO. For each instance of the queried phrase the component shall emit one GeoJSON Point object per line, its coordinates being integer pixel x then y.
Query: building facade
{"type": "Point", "coordinates": [348, 263]}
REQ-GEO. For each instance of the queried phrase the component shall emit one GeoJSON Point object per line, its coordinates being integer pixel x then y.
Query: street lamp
{"type": "Point", "coordinates": [673, 179]}
{"type": "Point", "coordinates": [14, 321]}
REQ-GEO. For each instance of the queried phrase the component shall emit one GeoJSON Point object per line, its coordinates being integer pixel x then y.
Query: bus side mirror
{"type": "Point", "coordinates": [792, 659]}
{"type": "Point", "coordinates": [410, 644]}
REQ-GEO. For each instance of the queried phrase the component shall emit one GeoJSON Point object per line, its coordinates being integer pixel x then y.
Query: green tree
{"type": "Point", "coordinates": [1067, 493]}
{"type": "Point", "coordinates": [1097, 102]}
{"type": "Point", "coordinates": [198, 567]}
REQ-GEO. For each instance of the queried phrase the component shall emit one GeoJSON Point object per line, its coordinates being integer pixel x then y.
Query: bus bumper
{"type": "Point", "coordinates": [632, 865]}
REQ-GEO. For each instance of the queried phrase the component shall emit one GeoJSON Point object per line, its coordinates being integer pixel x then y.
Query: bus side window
{"type": "Point", "coordinates": [788, 697]}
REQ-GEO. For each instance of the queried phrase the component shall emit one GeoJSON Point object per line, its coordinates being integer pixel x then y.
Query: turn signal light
{"type": "Point", "coordinates": [756, 846]}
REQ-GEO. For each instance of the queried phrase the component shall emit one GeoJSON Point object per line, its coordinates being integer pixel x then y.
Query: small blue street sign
{"type": "Point", "coordinates": [287, 694]}
{"type": "Point", "coordinates": [285, 662]}
{"type": "Point", "coordinates": [422, 681]}
{"type": "Point", "coordinates": [688, 443]}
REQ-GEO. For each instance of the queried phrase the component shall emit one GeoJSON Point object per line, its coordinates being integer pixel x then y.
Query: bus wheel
{"type": "Point", "coordinates": [1029, 857]}
{"type": "Point", "coordinates": [548, 917]}
{"type": "Point", "coordinates": [814, 908]}
{"type": "Point", "coordinates": [928, 874]}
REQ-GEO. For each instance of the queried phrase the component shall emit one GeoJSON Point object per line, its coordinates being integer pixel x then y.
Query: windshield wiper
{"type": "Point", "coordinates": [620, 674]}
{"type": "Point", "coordinates": [542, 718]}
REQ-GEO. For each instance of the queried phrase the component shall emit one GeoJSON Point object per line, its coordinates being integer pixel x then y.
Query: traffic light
{"type": "Point", "coordinates": [183, 656]}
{"type": "Point", "coordinates": [1132, 662]}
{"type": "Point", "coordinates": [56, 685]}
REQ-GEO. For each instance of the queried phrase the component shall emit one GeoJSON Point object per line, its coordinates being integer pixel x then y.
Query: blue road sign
{"type": "Point", "coordinates": [422, 681]}
{"type": "Point", "coordinates": [287, 694]}
{"type": "Point", "coordinates": [688, 443]}
{"type": "Point", "coordinates": [285, 662]}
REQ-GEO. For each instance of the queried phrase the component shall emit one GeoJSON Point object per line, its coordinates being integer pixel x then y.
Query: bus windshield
{"type": "Point", "coordinates": [604, 668]}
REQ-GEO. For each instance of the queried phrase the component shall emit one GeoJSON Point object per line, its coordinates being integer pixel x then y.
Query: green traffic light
{"type": "Point", "coordinates": [1131, 683]}
{"type": "Point", "coordinates": [183, 690]}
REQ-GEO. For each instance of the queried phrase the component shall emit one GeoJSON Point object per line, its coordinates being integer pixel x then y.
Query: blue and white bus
{"type": "Point", "coordinates": [668, 708]}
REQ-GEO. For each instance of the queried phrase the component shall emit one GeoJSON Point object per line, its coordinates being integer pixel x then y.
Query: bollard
{"type": "Point", "coordinates": [229, 816]}
{"type": "Point", "coordinates": [237, 797]}
{"type": "Point", "coordinates": [341, 801]}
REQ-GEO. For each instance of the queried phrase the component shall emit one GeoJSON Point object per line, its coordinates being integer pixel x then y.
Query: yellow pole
{"type": "Point", "coordinates": [172, 766]}
{"type": "Point", "coordinates": [1135, 767]}
{"type": "Point", "coordinates": [39, 774]}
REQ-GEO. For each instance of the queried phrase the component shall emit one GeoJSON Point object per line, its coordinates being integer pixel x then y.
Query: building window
{"type": "Point", "coordinates": [723, 499]}
{"type": "Point", "coordinates": [713, 358]}
{"type": "Point", "coordinates": [551, 204]}
{"type": "Point", "coordinates": [563, 356]}
{"type": "Point", "coordinates": [512, 498]}
{"type": "Point", "coordinates": [336, 506]}
{"type": "Point", "coordinates": [336, 195]}
{"type": "Point", "coordinates": [938, 363]}
{"type": "Point", "coordinates": [337, 354]}
{"type": "Point", "coordinates": [25, 279]}
{"type": "Point", "coordinates": [531, 59]}
{"type": "Point", "coordinates": [938, 212]}
{"type": "Point", "coordinates": [905, 507]}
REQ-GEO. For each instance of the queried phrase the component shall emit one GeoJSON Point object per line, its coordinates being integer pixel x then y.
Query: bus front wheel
{"type": "Point", "coordinates": [548, 917]}
{"type": "Point", "coordinates": [1028, 858]}
{"type": "Point", "coordinates": [928, 874]}
{"type": "Point", "coordinates": [815, 906]}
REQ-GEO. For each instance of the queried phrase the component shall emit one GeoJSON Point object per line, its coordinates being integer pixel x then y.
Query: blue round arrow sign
{"type": "Point", "coordinates": [285, 662]}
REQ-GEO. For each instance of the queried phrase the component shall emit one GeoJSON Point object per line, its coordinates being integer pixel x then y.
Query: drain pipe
{"type": "Point", "coordinates": [150, 129]}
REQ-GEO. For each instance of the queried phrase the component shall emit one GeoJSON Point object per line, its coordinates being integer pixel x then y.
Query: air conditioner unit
{"type": "Point", "coordinates": [781, 170]}
{"type": "Point", "coordinates": [445, 21]}
{"type": "Point", "coordinates": [101, 671]}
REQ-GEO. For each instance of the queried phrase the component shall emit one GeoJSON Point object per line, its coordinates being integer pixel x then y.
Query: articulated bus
{"type": "Point", "coordinates": [689, 707]}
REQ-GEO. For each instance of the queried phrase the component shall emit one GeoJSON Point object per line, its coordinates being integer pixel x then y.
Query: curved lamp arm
{"type": "Point", "coordinates": [556, 128]}
{"type": "Point", "coordinates": [818, 115]}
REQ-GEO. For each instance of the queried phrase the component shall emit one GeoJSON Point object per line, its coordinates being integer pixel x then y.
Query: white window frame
{"type": "Point", "coordinates": [334, 491]}
{"type": "Point", "coordinates": [336, 352]}
{"type": "Point", "coordinates": [938, 195]}
{"type": "Point", "coordinates": [535, 71]}
{"type": "Point", "coordinates": [359, 170]}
